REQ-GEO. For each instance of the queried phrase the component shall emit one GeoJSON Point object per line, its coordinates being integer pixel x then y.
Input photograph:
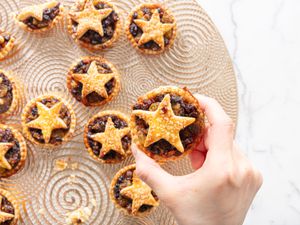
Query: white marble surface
{"type": "Point", "coordinates": [263, 38]}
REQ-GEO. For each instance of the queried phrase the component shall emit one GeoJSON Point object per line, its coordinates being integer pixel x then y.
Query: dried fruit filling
{"type": "Point", "coordinates": [57, 134]}
{"type": "Point", "coordinates": [49, 15]}
{"type": "Point", "coordinates": [108, 24]}
{"type": "Point", "coordinates": [7, 207]}
{"type": "Point", "coordinates": [98, 126]}
{"type": "Point", "coordinates": [82, 68]}
{"type": "Point", "coordinates": [146, 14]}
{"type": "Point", "coordinates": [6, 93]}
{"type": "Point", "coordinates": [125, 180]}
{"type": "Point", "coordinates": [4, 39]}
{"type": "Point", "coordinates": [180, 108]}
{"type": "Point", "coordinates": [13, 155]}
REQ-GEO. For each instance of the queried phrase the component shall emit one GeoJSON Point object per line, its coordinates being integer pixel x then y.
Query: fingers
{"type": "Point", "coordinates": [197, 159]}
{"type": "Point", "coordinates": [150, 172]}
{"type": "Point", "coordinates": [220, 134]}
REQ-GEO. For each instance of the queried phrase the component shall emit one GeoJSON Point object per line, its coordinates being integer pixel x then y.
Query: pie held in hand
{"type": "Point", "coordinates": [167, 123]}
{"type": "Point", "coordinates": [131, 195]}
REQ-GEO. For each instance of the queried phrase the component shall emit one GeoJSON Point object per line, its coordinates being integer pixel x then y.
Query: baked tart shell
{"type": "Point", "coordinates": [25, 114]}
{"type": "Point", "coordinates": [116, 88]}
{"type": "Point", "coordinates": [131, 38]}
{"type": "Point", "coordinates": [112, 196]}
{"type": "Point", "coordinates": [23, 152]}
{"type": "Point", "coordinates": [118, 29]}
{"type": "Point", "coordinates": [8, 48]}
{"type": "Point", "coordinates": [16, 95]}
{"type": "Point", "coordinates": [86, 129]}
{"type": "Point", "coordinates": [15, 204]}
{"type": "Point", "coordinates": [54, 22]}
{"type": "Point", "coordinates": [187, 96]}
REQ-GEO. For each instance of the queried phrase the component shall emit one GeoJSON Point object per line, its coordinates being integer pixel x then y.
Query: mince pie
{"type": "Point", "coordinates": [13, 151]}
{"type": "Point", "coordinates": [48, 121]}
{"type": "Point", "coordinates": [9, 209]}
{"type": "Point", "coordinates": [9, 94]}
{"type": "Point", "coordinates": [93, 81]}
{"type": "Point", "coordinates": [107, 137]}
{"type": "Point", "coordinates": [94, 24]}
{"type": "Point", "coordinates": [166, 123]}
{"type": "Point", "coordinates": [151, 28]}
{"type": "Point", "coordinates": [6, 44]}
{"type": "Point", "coordinates": [131, 194]}
{"type": "Point", "coordinates": [41, 17]}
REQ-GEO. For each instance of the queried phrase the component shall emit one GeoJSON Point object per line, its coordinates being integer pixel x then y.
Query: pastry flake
{"type": "Point", "coordinates": [131, 195]}
{"type": "Point", "coordinates": [48, 121]}
{"type": "Point", "coordinates": [94, 24]}
{"type": "Point", "coordinates": [93, 81]}
{"type": "Point", "coordinates": [167, 123]}
{"type": "Point", "coordinates": [151, 28]}
{"type": "Point", "coordinates": [13, 151]}
{"type": "Point", "coordinates": [107, 137]}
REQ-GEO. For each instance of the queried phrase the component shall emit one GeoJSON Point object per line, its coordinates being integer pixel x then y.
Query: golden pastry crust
{"type": "Point", "coordinates": [114, 200]}
{"type": "Point", "coordinates": [152, 6]}
{"type": "Point", "coordinates": [140, 138]}
{"type": "Point", "coordinates": [90, 59]}
{"type": "Point", "coordinates": [8, 47]}
{"type": "Point", "coordinates": [33, 103]}
{"type": "Point", "coordinates": [80, 6]}
{"type": "Point", "coordinates": [23, 152]}
{"type": "Point", "coordinates": [15, 92]}
{"type": "Point", "coordinates": [53, 23]}
{"type": "Point", "coordinates": [120, 115]}
{"type": "Point", "coordinates": [15, 204]}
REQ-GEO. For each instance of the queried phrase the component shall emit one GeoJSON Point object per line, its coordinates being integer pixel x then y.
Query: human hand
{"type": "Point", "coordinates": [221, 192]}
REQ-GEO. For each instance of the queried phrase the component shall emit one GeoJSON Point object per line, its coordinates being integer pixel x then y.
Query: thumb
{"type": "Point", "coordinates": [151, 173]}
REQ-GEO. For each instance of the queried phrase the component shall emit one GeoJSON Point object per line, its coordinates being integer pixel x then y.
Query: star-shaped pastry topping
{"type": "Point", "coordinates": [3, 215]}
{"type": "Point", "coordinates": [140, 193]}
{"type": "Point", "coordinates": [4, 147]}
{"type": "Point", "coordinates": [36, 11]}
{"type": "Point", "coordinates": [93, 81]}
{"type": "Point", "coordinates": [111, 138]}
{"type": "Point", "coordinates": [153, 30]}
{"type": "Point", "coordinates": [48, 120]}
{"type": "Point", "coordinates": [164, 124]}
{"type": "Point", "coordinates": [90, 19]}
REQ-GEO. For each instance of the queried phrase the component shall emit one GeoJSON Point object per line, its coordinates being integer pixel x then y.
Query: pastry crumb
{"type": "Point", "coordinates": [78, 216]}
{"type": "Point", "coordinates": [41, 211]}
{"type": "Point", "coordinates": [61, 164]}
{"type": "Point", "coordinates": [74, 166]}
{"type": "Point", "coordinates": [71, 178]}
{"type": "Point", "coordinates": [94, 203]}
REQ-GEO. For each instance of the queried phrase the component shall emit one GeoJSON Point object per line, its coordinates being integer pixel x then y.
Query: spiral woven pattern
{"type": "Point", "coordinates": [40, 62]}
